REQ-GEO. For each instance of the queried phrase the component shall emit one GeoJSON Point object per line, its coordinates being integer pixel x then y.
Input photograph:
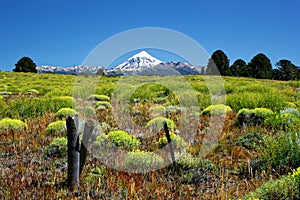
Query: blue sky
{"type": "Point", "coordinates": [63, 32]}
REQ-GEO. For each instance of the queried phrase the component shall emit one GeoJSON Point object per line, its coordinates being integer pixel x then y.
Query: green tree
{"type": "Point", "coordinates": [221, 62]}
{"type": "Point", "coordinates": [238, 68]}
{"type": "Point", "coordinates": [25, 64]}
{"type": "Point", "coordinates": [260, 67]}
{"type": "Point", "coordinates": [287, 70]}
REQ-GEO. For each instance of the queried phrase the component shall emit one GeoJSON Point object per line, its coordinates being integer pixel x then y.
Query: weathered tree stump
{"type": "Point", "coordinates": [73, 153]}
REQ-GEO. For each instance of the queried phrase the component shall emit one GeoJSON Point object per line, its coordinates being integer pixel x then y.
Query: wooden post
{"type": "Point", "coordinates": [87, 133]}
{"type": "Point", "coordinates": [73, 152]}
{"type": "Point", "coordinates": [169, 141]}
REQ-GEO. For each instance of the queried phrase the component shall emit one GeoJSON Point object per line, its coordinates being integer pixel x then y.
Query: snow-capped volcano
{"type": "Point", "coordinates": [141, 61]}
{"type": "Point", "coordinates": [139, 64]}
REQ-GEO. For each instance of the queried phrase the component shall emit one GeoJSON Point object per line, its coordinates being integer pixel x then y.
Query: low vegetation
{"type": "Point", "coordinates": [256, 155]}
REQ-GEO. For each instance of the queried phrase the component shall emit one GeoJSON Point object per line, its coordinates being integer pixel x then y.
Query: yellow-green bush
{"type": "Point", "coordinates": [219, 109]}
{"type": "Point", "coordinates": [65, 112]}
{"type": "Point", "coordinates": [58, 127]}
{"type": "Point", "coordinates": [8, 124]}
{"type": "Point", "coordinates": [177, 141]}
{"type": "Point", "coordinates": [58, 147]}
{"type": "Point", "coordinates": [255, 116]}
{"type": "Point", "coordinates": [142, 161]}
{"type": "Point", "coordinates": [124, 140]}
{"type": "Point", "coordinates": [99, 97]}
{"type": "Point", "coordinates": [106, 104]}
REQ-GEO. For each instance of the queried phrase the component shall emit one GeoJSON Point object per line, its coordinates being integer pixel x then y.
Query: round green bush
{"type": "Point", "coordinates": [255, 116]}
{"type": "Point", "coordinates": [156, 124]}
{"type": "Point", "coordinates": [124, 140]}
{"type": "Point", "coordinates": [8, 124]}
{"type": "Point", "coordinates": [177, 141]}
{"type": "Point", "coordinates": [219, 109]}
{"type": "Point", "coordinates": [65, 112]}
{"type": "Point", "coordinates": [142, 161]}
{"type": "Point", "coordinates": [99, 97]}
{"type": "Point", "coordinates": [157, 111]}
{"type": "Point", "coordinates": [58, 147]}
{"type": "Point", "coordinates": [58, 127]}
{"type": "Point", "coordinates": [102, 103]}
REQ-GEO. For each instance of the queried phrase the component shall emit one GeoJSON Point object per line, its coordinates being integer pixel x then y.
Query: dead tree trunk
{"type": "Point", "coordinates": [88, 130]}
{"type": "Point", "coordinates": [169, 141]}
{"type": "Point", "coordinates": [73, 153]}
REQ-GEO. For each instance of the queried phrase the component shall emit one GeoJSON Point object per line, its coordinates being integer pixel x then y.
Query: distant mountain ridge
{"type": "Point", "coordinates": [141, 63]}
{"type": "Point", "coordinates": [69, 70]}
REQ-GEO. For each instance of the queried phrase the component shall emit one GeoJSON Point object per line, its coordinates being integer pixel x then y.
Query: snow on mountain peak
{"type": "Point", "coordinates": [139, 61]}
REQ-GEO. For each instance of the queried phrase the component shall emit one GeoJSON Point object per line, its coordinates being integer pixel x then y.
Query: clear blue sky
{"type": "Point", "coordinates": [63, 32]}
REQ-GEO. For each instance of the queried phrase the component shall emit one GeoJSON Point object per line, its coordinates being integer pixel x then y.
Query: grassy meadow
{"type": "Point", "coordinates": [257, 154]}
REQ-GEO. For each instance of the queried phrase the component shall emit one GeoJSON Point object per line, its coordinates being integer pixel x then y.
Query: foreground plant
{"type": "Point", "coordinates": [8, 124]}
{"type": "Point", "coordinates": [142, 161]}
{"type": "Point", "coordinates": [65, 112]}
{"type": "Point", "coordinates": [57, 128]}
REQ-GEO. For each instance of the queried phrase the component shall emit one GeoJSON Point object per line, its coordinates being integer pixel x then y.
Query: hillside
{"type": "Point", "coordinates": [257, 136]}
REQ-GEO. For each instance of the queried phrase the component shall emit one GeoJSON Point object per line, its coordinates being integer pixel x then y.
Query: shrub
{"type": "Point", "coordinates": [102, 103]}
{"type": "Point", "coordinates": [33, 107]}
{"type": "Point", "coordinates": [58, 127]}
{"type": "Point", "coordinates": [8, 124]}
{"type": "Point", "coordinates": [189, 162]}
{"type": "Point", "coordinates": [156, 124]}
{"type": "Point", "coordinates": [251, 141]}
{"type": "Point", "coordinates": [219, 109]}
{"type": "Point", "coordinates": [99, 97]}
{"type": "Point", "coordinates": [177, 141]}
{"type": "Point", "coordinates": [142, 161]}
{"type": "Point", "coordinates": [281, 154]}
{"type": "Point", "coordinates": [58, 147]}
{"type": "Point", "coordinates": [195, 170]}
{"type": "Point", "coordinates": [253, 116]}
{"type": "Point", "coordinates": [285, 122]}
{"type": "Point", "coordinates": [65, 112]}
{"type": "Point", "coordinates": [251, 100]}
{"type": "Point", "coordinates": [157, 111]}
{"type": "Point", "coordinates": [123, 140]}
{"type": "Point", "coordinates": [67, 98]}
{"type": "Point", "coordinates": [287, 187]}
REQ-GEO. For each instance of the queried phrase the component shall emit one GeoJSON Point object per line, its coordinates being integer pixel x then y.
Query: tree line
{"type": "Point", "coordinates": [259, 67]}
